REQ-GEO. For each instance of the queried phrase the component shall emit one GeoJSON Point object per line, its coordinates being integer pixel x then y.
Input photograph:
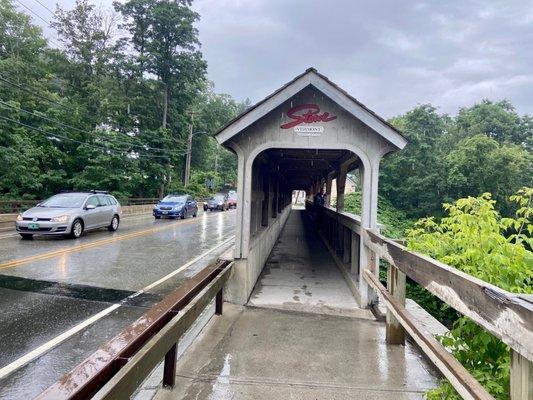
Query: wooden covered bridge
{"type": "Point", "coordinates": [300, 290]}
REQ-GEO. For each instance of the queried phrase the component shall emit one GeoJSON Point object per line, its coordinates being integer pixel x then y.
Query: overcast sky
{"type": "Point", "coordinates": [390, 55]}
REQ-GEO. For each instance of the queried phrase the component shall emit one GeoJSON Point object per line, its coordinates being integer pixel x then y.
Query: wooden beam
{"type": "Point", "coordinates": [457, 375]}
{"type": "Point", "coordinates": [395, 334]}
{"type": "Point", "coordinates": [506, 315]}
{"type": "Point", "coordinates": [521, 377]}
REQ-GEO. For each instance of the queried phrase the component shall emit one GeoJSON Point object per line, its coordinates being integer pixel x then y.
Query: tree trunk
{"type": "Point", "coordinates": [165, 105]}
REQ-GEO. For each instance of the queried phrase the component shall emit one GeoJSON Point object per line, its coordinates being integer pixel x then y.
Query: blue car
{"type": "Point", "coordinates": [176, 206]}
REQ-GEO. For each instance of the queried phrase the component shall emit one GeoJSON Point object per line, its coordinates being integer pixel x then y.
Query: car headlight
{"type": "Point", "coordinates": [219, 203]}
{"type": "Point", "coordinates": [19, 217]}
{"type": "Point", "coordinates": [177, 208]}
{"type": "Point", "coordinates": [61, 218]}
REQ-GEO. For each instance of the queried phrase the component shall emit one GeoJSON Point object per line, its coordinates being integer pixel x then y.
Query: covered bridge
{"type": "Point", "coordinates": [301, 137]}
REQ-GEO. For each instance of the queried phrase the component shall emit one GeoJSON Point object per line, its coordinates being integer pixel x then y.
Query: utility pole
{"type": "Point", "coordinates": [216, 159]}
{"type": "Point", "coordinates": [188, 159]}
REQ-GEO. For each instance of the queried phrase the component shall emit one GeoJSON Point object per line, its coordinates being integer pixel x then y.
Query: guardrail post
{"type": "Point", "coordinates": [395, 333]}
{"type": "Point", "coordinates": [346, 252]}
{"type": "Point", "coordinates": [219, 301]}
{"type": "Point", "coordinates": [354, 258]}
{"type": "Point", "coordinates": [169, 368]}
{"type": "Point", "coordinates": [521, 377]}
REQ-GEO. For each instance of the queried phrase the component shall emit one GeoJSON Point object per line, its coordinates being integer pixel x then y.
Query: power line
{"type": "Point", "coordinates": [57, 136]}
{"type": "Point", "coordinates": [76, 129]}
{"type": "Point", "coordinates": [21, 87]}
{"type": "Point", "coordinates": [44, 6]}
{"type": "Point", "coordinates": [33, 12]}
{"type": "Point", "coordinates": [54, 42]}
{"type": "Point", "coordinates": [41, 18]}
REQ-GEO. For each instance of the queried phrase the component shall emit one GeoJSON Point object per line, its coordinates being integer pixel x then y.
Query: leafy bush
{"type": "Point", "coordinates": [475, 239]}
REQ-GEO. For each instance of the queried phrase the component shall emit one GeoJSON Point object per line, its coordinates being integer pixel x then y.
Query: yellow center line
{"type": "Point", "coordinates": [98, 243]}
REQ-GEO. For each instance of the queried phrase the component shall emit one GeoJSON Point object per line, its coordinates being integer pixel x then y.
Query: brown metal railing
{"type": "Point", "coordinates": [506, 315]}
{"type": "Point", "coordinates": [120, 366]}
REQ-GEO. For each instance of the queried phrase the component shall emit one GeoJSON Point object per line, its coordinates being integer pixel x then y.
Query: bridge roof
{"type": "Point", "coordinates": [311, 77]}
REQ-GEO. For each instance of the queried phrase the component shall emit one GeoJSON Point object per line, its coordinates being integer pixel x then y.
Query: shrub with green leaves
{"type": "Point", "coordinates": [475, 239]}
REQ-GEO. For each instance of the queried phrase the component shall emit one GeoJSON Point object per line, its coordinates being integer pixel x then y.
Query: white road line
{"type": "Point", "coordinates": [44, 348]}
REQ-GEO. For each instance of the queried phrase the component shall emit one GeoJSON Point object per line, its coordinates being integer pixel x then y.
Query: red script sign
{"type": "Point", "coordinates": [306, 114]}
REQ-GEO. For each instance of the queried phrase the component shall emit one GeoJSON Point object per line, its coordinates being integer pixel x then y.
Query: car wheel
{"type": "Point", "coordinates": [114, 224]}
{"type": "Point", "coordinates": [205, 208]}
{"type": "Point", "coordinates": [77, 229]}
{"type": "Point", "coordinates": [195, 214]}
{"type": "Point", "coordinates": [157, 217]}
{"type": "Point", "coordinates": [26, 236]}
{"type": "Point", "coordinates": [183, 214]}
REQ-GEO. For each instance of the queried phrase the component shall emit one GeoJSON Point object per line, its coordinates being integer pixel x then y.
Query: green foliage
{"type": "Point", "coordinates": [92, 112]}
{"type": "Point", "coordinates": [395, 222]}
{"type": "Point", "coordinates": [475, 239]}
{"type": "Point", "coordinates": [486, 148]}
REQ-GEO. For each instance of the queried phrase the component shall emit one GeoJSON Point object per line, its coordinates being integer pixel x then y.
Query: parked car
{"type": "Point", "coordinates": [232, 199]}
{"type": "Point", "coordinates": [218, 202]}
{"type": "Point", "coordinates": [176, 206]}
{"type": "Point", "coordinates": [70, 214]}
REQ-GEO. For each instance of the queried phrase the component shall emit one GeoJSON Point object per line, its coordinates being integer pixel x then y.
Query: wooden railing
{"type": "Point", "coordinates": [119, 367]}
{"type": "Point", "coordinates": [506, 315]}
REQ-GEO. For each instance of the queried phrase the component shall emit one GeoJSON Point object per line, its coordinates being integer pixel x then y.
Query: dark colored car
{"type": "Point", "coordinates": [232, 200]}
{"type": "Point", "coordinates": [218, 202]}
{"type": "Point", "coordinates": [176, 206]}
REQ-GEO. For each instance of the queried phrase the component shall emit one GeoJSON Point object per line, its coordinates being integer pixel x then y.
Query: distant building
{"type": "Point", "coordinates": [351, 186]}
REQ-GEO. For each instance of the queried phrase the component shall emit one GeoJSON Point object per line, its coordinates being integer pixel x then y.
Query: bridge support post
{"type": "Point", "coordinates": [395, 334]}
{"type": "Point", "coordinates": [329, 181]}
{"type": "Point", "coordinates": [169, 368]}
{"type": "Point", "coordinates": [521, 377]}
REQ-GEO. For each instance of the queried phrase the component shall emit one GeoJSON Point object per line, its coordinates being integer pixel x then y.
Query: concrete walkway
{"type": "Point", "coordinates": [302, 336]}
{"type": "Point", "coordinates": [254, 354]}
{"type": "Point", "coordinates": [300, 275]}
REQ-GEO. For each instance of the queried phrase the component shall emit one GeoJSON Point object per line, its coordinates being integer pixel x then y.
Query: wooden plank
{"type": "Point", "coordinates": [131, 376]}
{"type": "Point", "coordinates": [394, 333]}
{"type": "Point", "coordinates": [457, 375]}
{"type": "Point", "coordinates": [506, 315]}
{"type": "Point", "coordinates": [521, 377]}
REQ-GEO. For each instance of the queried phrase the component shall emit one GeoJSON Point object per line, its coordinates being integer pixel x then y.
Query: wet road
{"type": "Point", "coordinates": [61, 299]}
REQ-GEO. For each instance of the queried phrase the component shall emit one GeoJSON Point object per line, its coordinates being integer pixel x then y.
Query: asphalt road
{"type": "Point", "coordinates": [62, 299]}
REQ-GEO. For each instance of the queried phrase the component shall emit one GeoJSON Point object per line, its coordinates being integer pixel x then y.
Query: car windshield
{"type": "Point", "coordinates": [233, 196]}
{"type": "Point", "coordinates": [174, 199]}
{"type": "Point", "coordinates": [64, 201]}
{"type": "Point", "coordinates": [218, 197]}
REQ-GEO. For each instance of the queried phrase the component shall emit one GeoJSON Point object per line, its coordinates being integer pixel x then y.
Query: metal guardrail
{"type": "Point", "coordinates": [506, 315]}
{"type": "Point", "coordinates": [17, 206]}
{"type": "Point", "coordinates": [120, 366]}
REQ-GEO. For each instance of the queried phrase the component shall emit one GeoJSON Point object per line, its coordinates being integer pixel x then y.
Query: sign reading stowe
{"type": "Point", "coordinates": [307, 114]}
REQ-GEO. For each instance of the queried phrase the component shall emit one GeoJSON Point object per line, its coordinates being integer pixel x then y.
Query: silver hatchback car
{"type": "Point", "coordinates": [70, 214]}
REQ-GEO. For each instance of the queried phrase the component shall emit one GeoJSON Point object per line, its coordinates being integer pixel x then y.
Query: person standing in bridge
{"type": "Point", "coordinates": [319, 200]}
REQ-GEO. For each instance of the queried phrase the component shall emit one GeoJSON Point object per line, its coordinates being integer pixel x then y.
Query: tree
{"type": "Point", "coordinates": [497, 120]}
{"type": "Point", "coordinates": [480, 164]}
{"type": "Point", "coordinates": [166, 42]}
{"type": "Point", "coordinates": [412, 179]}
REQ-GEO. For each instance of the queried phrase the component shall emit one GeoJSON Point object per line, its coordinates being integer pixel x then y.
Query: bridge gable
{"type": "Point", "coordinates": [311, 110]}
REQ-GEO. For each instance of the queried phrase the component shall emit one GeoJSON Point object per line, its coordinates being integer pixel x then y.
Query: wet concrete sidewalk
{"type": "Point", "coordinates": [252, 354]}
{"type": "Point", "coordinates": [300, 274]}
